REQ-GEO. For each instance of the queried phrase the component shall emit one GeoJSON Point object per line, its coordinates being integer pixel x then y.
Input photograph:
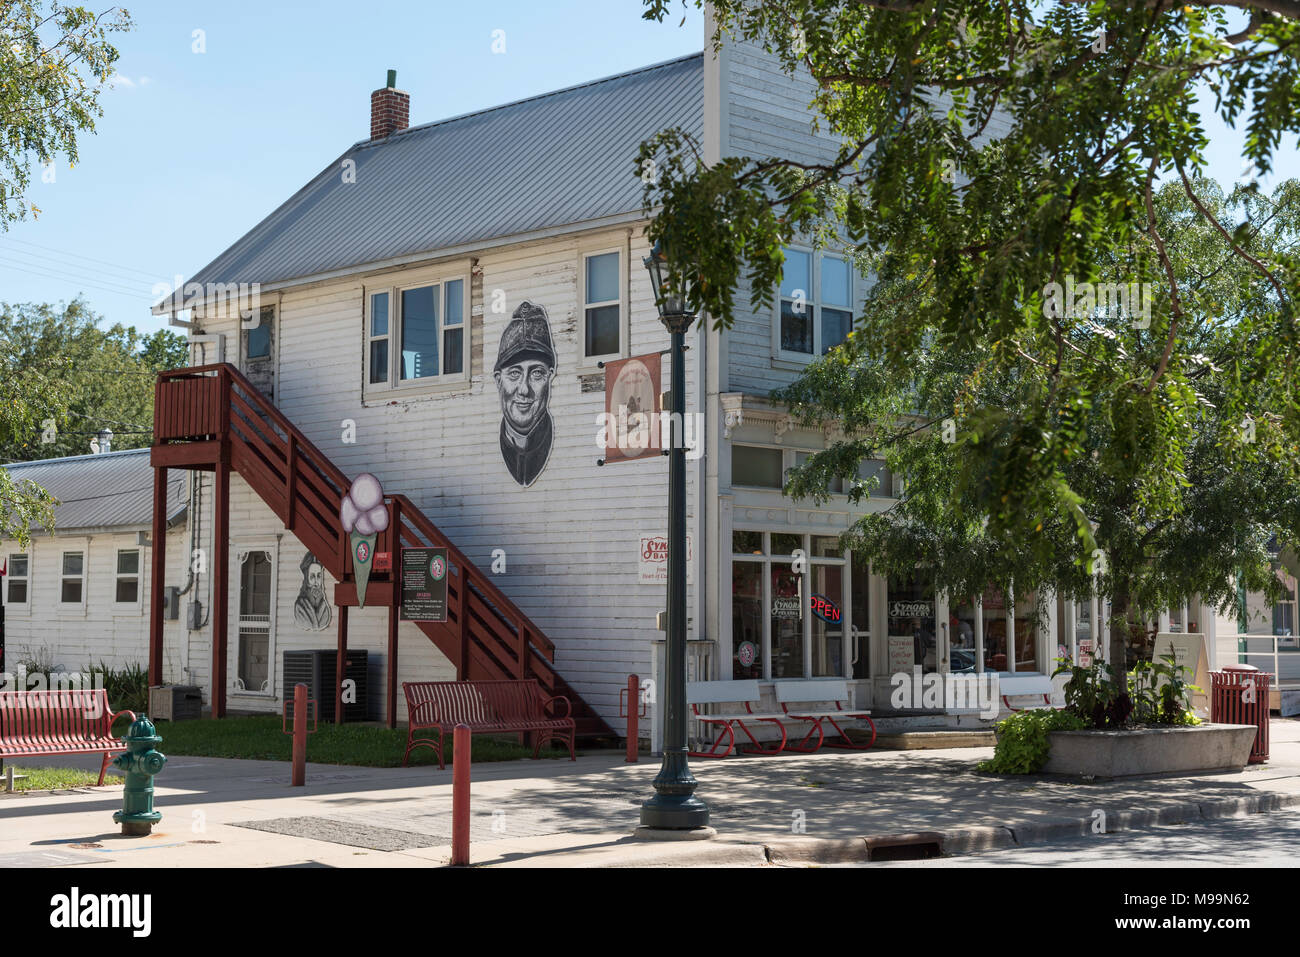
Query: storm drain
{"type": "Point", "coordinates": [905, 847]}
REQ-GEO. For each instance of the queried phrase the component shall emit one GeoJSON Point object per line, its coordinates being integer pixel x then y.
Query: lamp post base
{"type": "Point", "coordinates": [674, 812]}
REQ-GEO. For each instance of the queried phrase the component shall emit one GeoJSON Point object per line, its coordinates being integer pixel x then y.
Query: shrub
{"type": "Point", "coordinates": [127, 687]}
{"type": "Point", "coordinates": [1023, 741]}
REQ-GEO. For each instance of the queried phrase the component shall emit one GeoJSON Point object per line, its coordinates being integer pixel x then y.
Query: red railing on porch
{"type": "Point", "coordinates": [209, 414]}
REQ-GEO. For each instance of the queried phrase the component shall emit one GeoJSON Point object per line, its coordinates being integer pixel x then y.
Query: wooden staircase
{"type": "Point", "coordinates": [212, 417]}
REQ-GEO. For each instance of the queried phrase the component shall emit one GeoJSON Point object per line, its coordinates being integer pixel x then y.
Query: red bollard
{"type": "Point", "coordinates": [460, 797]}
{"type": "Point", "coordinates": [299, 735]}
{"type": "Point", "coordinates": [633, 706]}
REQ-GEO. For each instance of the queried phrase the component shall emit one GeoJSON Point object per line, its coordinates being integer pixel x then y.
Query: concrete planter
{"type": "Point", "coordinates": [1113, 754]}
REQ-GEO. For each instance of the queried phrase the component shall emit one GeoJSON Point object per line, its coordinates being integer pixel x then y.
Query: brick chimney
{"type": "Point", "coordinates": [390, 109]}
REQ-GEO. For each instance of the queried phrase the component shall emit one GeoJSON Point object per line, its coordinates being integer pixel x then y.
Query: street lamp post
{"type": "Point", "coordinates": [674, 806]}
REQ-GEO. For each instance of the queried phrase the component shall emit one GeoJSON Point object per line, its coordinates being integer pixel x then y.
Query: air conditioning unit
{"type": "Point", "coordinates": [316, 669]}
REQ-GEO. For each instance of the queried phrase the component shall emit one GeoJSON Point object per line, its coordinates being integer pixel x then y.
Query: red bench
{"type": "Point", "coordinates": [36, 723]}
{"type": "Point", "coordinates": [486, 707]}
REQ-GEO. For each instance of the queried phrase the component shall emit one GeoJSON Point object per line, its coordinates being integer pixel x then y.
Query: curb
{"type": "Point", "coordinates": [975, 840]}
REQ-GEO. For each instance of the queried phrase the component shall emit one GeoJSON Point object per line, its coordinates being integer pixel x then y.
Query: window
{"type": "Point", "coordinates": [254, 622]}
{"type": "Point", "coordinates": [16, 588]}
{"type": "Point", "coordinates": [755, 466]}
{"type": "Point", "coordinates": [816, 306]}
{"type": "Point", "coordinates": [257, 338]}
{"type": "Point", "coordinates": [602, 319]}
{"type": "Point", "coordinates": [127, 589]}
{"type": "Point", "coordinates": [378, 337]}
{"type": "Point", "coordinates": [788, 623]}
{"type": "Point", "coordinates": [72, 589]}
{"type": "Point", "coordinates": [416, 334]}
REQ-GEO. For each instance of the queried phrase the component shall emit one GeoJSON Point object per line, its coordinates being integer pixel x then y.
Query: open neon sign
{"type": "Point", "coordinates": [825, 609]}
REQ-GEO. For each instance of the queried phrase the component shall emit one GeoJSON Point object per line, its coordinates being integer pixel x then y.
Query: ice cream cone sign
{"type": "Point", "coordinates": [363, 516]}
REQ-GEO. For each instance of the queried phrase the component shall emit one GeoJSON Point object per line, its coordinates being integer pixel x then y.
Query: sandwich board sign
{"type": "Point", "coordinates": [1188, 651]}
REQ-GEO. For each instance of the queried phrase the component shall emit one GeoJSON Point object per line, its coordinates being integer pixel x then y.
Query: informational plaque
{"type": "Point", "coordinates": [424, 584]}
{"type": "Point", "coordinates": [1188, 651]}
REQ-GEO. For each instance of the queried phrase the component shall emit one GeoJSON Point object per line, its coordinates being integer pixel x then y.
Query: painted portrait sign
{"type": "Point", "coordinates": [524, 370]}
{"type": "Point", "coordinates": [632, 408]}
{"type": "Point", "coordinates": [311, 609]}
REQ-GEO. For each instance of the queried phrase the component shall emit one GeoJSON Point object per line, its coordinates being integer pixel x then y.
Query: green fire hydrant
{"type": "Point", "coordinates": [140, 762]}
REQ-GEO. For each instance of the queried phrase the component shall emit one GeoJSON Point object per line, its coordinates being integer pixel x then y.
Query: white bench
{"type": "Point", "coordinates": [796, 692]}
{"type": "Point", "coordinates": [731, 692]}
{"type": "Point", "coordinates": [807, 691]}
{"type": "Point", "coordinates": [1023, 684]}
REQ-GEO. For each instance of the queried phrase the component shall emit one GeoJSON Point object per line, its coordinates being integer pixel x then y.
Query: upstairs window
{"type": "Point", "coordinates": [127, 587]}
{"type": "Point", "coordinates": [815, 313]}
{"type": "Point", "coordinates": [257, 334]}
{"type": "Point", "coordinates": [17, 579]}
{"type": "Point", "coordinates": [602, 301]}
{"type": "Point", "coordinates": [72, 589]}
{"type": "Point", "coordinates": [379, 337]}
{"type": "Point", "coordinates": [416, 334]}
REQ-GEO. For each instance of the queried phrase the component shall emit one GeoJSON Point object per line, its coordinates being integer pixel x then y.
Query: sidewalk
{"type": "Point", "coordinates": [801, 809]}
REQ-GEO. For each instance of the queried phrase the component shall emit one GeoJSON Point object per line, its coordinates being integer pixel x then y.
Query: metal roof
{"type": "Point", "coordinates": [112, 490]}
{"type": "Point", "coordinates": [550, 161]}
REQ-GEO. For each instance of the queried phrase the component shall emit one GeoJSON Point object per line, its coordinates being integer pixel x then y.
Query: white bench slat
{"type": "Point", "coordinates": [721, 692]}
{"type": "Point", "coordinates": [1013, 685]}
{"type": "Point", "coordinates": [794, 690]}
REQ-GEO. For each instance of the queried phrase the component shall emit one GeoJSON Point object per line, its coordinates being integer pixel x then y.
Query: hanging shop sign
{"type": "Point", "coordinates": [632, 406]}
{"type": "Point", "coordinates": [825, 609]}
{"type": "Point", "coordinates": [363, 515]}
{"type": "Point", "coordinates": [785, 607]}
{"type": "Point", "coordinates": [424, 584]}
{"type": "Point", "coordinates": [652, 559]}
{"type": "Point", "coordinates": [911, 609]}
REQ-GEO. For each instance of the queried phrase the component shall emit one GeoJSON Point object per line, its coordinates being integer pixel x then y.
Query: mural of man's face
{"type": "Point", "coordinates": [315, 582]}
{"type": "Point", "coordinates": [525, 389]}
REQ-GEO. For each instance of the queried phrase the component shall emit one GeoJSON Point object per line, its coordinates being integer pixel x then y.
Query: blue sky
{"type": "Point", "coordinates": [194, 149]}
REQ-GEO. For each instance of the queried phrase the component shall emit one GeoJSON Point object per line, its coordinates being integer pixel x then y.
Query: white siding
{"type": "Point", "coordinates": [570, 539]}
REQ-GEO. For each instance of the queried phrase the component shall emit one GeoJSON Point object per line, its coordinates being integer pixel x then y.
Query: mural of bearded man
{"type": "Point", "coordinates": [312, 610]}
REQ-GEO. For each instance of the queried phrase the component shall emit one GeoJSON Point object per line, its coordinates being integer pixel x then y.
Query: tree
{"type": "Point", "coordinates": [1236, 493]}
{"type": "Point", "coordinates": [66, 379]}
{"type": "Point", "coordinates": [55, 60]}
{"type": "Point", "coordinates": [995, 156]}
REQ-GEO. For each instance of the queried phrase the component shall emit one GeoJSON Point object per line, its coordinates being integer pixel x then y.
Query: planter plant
{"type": "Point", "coordinates": [1155, 695]}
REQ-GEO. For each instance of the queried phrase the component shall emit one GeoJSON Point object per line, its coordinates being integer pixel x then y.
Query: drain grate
{"type": "Point", "coordinates": [349, 833]}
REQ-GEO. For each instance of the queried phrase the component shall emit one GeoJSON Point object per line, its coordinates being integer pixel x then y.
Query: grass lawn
{"type": "Point", "coordinates": [261, 737]}
{"type": "Point", "coordinates": [56, 779]}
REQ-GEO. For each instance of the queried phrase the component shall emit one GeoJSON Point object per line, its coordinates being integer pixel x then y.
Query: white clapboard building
{"type": "Point", "coordinates": [439, 308]}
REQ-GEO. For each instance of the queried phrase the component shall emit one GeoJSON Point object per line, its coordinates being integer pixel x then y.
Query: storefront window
{"type": "Point", "coordinates": [994, 609]}
{"type": "Point", "coordinates": [786, 544]}
{"type": "Point", "coordinates": [787, 622]}
{"type": "Point", "coordinates": [1026, 635]}
{"type": "Point", "coordinates": [860, 603]}
{"type": "Point", "coordinates": [827, 620]}
{"type": "Point", "coordinates": [910, 621]}
{"type": "Point", "coordinates": [747, 543]}
{"type": "Point", "coordinates": [961, 638]}
{"type": "Point", "coordinates": [746, 620]}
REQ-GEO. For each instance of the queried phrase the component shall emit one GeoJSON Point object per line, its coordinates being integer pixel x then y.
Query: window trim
{"type": "Point", "coordinates": [241, 551]}
{"type": "Point", "coordinates": [128, 607]}
{"type": "Point", "coordinates": [785, 358]}
{"type": "Point", "coordinates": [272, 343]}
{"type": "Point", "coordinates": [394, 385]}
{"type": "Point", "coordinates": [767, 559]}
{"type": "Point", "coordinates": [586, 252]}
{"type": "Point", "coordinates": [22, 608]}
{"type": "Point", "coordinates": [66, 609]}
